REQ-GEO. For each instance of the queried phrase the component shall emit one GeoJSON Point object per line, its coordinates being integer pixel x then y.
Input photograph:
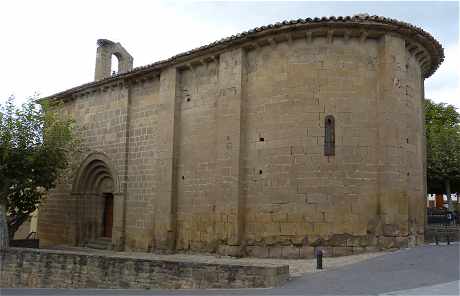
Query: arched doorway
{"type": "Point", "coordinates": [94, 186]}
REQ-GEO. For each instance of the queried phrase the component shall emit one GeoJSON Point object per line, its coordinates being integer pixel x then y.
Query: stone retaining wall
{"type": "Point", "coordinates": [442, 232]}
{"type": "Point", "coordinates": [65, 269]}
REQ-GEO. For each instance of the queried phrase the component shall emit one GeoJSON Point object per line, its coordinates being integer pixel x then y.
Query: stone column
{"type": "Point", "coordinates": [120, 204]}
{"type": "Point", "coordinates": [417, 202]}
{"type": "Point", "coordinates": [165, 200]}
{"type": "Point", "coordinates": [76, 218]}
{"type": "Point", "coordinates": [392, 197]}
{"type": "Point", "coordinates": [229, 200]}
{"type": "Point", "coordinates": [117, 232]}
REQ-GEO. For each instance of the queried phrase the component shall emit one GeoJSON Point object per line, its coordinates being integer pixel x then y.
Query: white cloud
{"type": "Point", "coordinates": [444, 85]}
{"type": "Point", "coordinates": [51, 45]}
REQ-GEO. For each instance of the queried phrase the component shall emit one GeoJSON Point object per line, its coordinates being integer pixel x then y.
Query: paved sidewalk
{"type": "Point", "coordinates": [297, 267]}
{"type": "Point", "coordinates": [425, 270]}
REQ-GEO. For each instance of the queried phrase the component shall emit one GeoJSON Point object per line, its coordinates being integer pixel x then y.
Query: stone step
{"type": "Point", "coordinates": [104, 239]}
{"type": "Point", "coordinates": [98, 246]}
{"type": "Point", "coordinates": [102, 243]}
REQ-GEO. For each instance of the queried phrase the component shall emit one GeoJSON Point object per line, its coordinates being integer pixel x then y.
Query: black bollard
{"type": "Point", "coordinates": [436, 239]}
{"type": "Point", "coordinates": [319, 259]}
{"type": "Point", "coordinates": [448, 240]}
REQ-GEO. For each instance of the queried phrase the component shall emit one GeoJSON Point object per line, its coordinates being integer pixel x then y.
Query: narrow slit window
{"type": "Point", "coordinates": [329, 136]}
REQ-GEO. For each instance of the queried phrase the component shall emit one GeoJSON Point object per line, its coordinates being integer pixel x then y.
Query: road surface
{"type": "Point", "coordinates": [425, 270]}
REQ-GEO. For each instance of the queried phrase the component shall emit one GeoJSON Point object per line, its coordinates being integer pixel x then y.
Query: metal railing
{"type": "Point", "coordinates": [32, 235]}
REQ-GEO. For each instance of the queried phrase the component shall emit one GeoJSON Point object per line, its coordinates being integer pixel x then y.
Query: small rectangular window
{"type": "Point", "coordinates": [329, 136]}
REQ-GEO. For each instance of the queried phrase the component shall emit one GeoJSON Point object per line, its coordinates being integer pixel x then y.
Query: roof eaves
{"type": "Point", "coordinates": [436, 49]}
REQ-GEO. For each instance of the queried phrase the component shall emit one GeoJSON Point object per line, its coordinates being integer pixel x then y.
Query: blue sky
{"type": "Point", "coordinates": [51, 45]}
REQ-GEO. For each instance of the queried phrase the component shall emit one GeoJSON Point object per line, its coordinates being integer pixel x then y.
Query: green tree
{"type": "Point", "coordinates": [443, 148]}
{"type": "Point", "coordinates": [35, 145]}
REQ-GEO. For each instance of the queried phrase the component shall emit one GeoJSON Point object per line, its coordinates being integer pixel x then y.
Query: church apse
{"type": "Point", "coordinates": [269, 143]}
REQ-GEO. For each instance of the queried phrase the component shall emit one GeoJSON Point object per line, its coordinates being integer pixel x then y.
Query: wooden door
{"type": "Point", "coordinates": [108, 215]}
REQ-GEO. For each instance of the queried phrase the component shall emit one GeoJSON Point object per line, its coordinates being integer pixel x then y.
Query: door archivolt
{"type": "Point", "coordinates": [94, 187]}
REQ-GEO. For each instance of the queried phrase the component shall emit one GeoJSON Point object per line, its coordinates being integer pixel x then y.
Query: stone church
{"type": "Point", "coordinates": [269, 143]}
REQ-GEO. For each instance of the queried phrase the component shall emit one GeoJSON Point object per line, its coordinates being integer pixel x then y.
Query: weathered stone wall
{"type": "Point", "coordinates": [401, 146]}
{"type": "Point", "coordinates": [196, 155]}
{"type": "Point", "coordinates": [225, 153]}
{"type": "Point", "coordinates": [63, 269]}
{"type": "Point", "coordinates": [68, 216]}
{"type": "Point", "coordinates": [208, 154]}
{"type": "Point", "coordinates": [145, 134]}
{"type": "Point", "coordinates": [361, 197]}
{"type": "Point", "coordinates": [297, 197]}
